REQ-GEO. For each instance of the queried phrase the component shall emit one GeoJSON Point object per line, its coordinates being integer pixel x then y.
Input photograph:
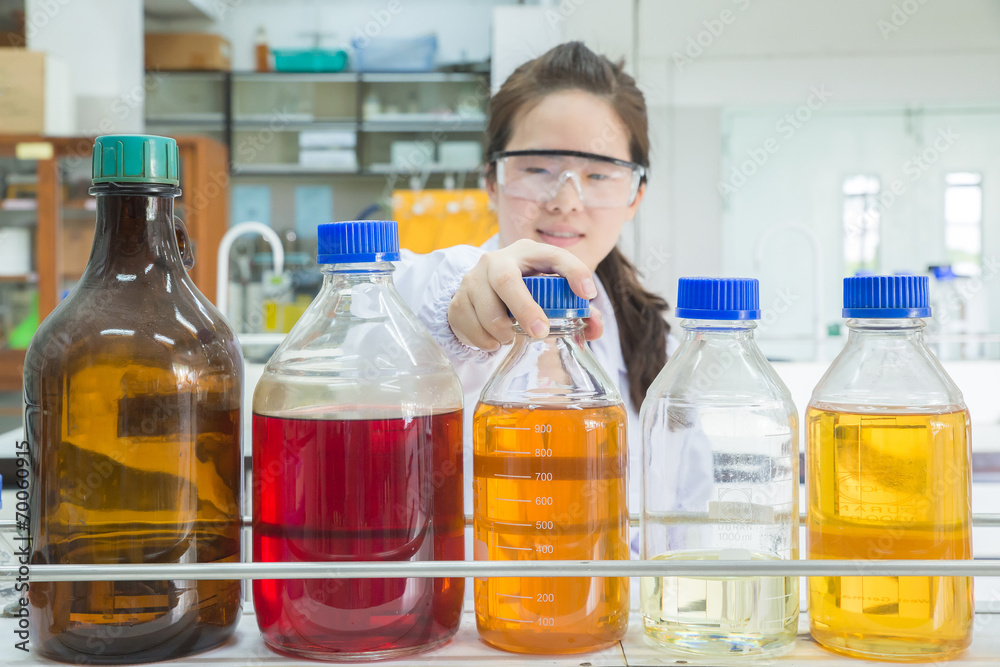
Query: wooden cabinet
{"type": "Point", "coordinates": [43, 195]}
{"type": "Point", "coordinates": [204, 204]}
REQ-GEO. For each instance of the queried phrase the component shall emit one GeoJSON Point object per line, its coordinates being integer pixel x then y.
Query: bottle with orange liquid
{"type": "Point", "coordinates": [888, 465]}
{"type": "Point", "coordinates": [550, 484]}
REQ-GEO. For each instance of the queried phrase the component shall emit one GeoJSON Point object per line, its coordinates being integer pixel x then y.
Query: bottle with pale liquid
{"type": "Point", "coordinates": [888, 469]}
{"type": "Point", "coordinates": [720, 481]}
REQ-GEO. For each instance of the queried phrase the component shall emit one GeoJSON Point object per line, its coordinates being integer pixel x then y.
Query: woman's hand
{"type": "Point", "coordinates": [478, 311]}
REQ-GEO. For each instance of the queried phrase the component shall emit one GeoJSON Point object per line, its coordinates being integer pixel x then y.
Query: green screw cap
{"type": "Point", "coordinates": [135, 158]}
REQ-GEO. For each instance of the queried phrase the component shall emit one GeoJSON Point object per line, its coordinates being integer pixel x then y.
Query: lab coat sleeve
{"type": "Point", "coordinates": [427, 283]}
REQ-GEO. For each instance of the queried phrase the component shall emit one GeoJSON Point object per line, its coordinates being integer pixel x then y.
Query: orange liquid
{"type": "Point", "coordinates": [890, 486]}
{"type": "Point", "coordinates": [550, 484]}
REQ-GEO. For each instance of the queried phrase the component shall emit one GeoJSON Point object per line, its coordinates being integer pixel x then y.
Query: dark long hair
{"type": "Point", "coordinates": [572, 66]}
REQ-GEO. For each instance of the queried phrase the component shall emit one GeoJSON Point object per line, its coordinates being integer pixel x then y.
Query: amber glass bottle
{"type": "Point", "coordinates": [132, 392]}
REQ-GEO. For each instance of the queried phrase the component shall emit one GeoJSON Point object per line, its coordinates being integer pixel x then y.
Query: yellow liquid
{"type": "Point", "coordinates": [123, 480]}
{"type": "Point", "coordinates": [890, 486]}
{"type": "Point", "coordinates": [550, 485]}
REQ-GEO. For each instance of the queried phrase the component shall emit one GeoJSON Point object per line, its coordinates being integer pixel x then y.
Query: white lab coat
{"type": "Point", "coordinates": [428, 282]}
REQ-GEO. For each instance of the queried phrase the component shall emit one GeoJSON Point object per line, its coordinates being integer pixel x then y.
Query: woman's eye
{"type": "Point", "coordinates": [535, 170]}
{"type": "Point", "coordinates": [598, 177]}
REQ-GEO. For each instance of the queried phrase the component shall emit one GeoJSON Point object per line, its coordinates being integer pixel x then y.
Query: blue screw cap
{"type": "Point", "coordinates": [886, 297]}
{"type": "Point", "coordinates": [554, 295]}
{"type": "Point", "coordinates": [718, 299]}
{"type": "Point", "coordinates": [358, 241]}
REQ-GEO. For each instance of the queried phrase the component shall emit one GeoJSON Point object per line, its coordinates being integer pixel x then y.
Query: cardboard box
{"type": "Point", "coordinates": [35, 94]}
{"type": "Point", "coordinates": [171, 51]}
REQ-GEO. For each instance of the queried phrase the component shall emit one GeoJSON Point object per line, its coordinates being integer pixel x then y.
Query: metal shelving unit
{"type": "Point", "coordinates": [449, 123]}
{"type": "Point", "coordinates": [235, 125]}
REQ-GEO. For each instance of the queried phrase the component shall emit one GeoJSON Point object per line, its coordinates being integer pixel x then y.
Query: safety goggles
{"type": "Point", "coordinates": [600, 181]}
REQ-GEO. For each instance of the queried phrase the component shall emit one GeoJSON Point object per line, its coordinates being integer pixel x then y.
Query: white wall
{"type": "Point", "coordinates": [801, 183]}
{"type": "Point", "coordinates": [719, 74]}
{"type": "Point", "coordinates": [101, 42]}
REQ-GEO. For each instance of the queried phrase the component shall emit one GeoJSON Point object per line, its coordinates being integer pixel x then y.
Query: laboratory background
{"type": "Point", "coordinates": [793, 141]}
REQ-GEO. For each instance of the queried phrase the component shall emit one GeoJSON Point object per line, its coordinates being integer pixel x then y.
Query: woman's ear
{"type": "Point", "coordinates": [634, 206]}
{"type": "Point", "coordinates": [491, 184]}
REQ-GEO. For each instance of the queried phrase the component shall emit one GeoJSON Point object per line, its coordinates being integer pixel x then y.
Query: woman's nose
{"type": "Point", "coordinates": [568, 195]}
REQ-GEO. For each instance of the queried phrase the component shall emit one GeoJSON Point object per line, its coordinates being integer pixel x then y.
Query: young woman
{"type": "Point", "coordinates": [567, 159]}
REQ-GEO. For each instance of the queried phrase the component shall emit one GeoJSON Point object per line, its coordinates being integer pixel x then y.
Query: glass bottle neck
{"type": "Point", "coordinates": [741, 330]}
{"type": "Point", "coordinates": [571, 328]}
{"type": "Point", "coordinates": [347, 274]}
{"type": "Point", "coordinates": [134, 233]}
{"type": "Point", "coordinates": [862, 330]}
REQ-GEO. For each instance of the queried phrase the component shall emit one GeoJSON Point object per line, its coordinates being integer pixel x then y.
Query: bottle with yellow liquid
{"type": "Point", "coordinates": [549, 483]}
{"type": "Point", "coordinates": [888, 469]}
{"type": "Point", "coordinates": [720, 481]}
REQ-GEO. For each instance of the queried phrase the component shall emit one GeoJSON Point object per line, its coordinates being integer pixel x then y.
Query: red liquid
{"type": "Point", "coordinates": [388, 489]}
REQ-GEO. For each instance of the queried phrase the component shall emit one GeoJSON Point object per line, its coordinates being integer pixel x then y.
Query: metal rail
{"type": "Point", "coordinates": [978, 520]}
{"type": "Point", "coordinates": [524, 568]}
{"type": "Point", "coordinates": [557, 568]}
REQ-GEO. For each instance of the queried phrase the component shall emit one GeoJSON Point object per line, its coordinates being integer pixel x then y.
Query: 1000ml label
{"type": "Point", "coordinates": [736, 533]}
{"type": "Point", "coordinates": [23, 538]}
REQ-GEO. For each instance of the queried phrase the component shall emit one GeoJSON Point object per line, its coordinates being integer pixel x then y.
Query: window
{"type": "Point", "coordinates": [963, 221]}
{"type": "Point", "coordinates": [861, 223]}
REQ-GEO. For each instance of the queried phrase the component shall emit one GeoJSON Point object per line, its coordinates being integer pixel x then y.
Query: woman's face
{"type": "Point", "coordinates": [572, 120]}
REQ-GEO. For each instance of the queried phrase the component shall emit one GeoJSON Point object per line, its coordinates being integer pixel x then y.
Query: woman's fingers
{"type": "Point", "coordinates": [494, 318]}
{"type": "Point", "coordinates": [533, 257]}
{"type": "Point", "coordinates": [506, 280]}
{"type": "Point", "coordinates": [594, 325]}
{"type": "Point", "coordinates": [465, 323]}
{"type": "Point", "coordinates": [508, 266]}
{"type": "Point", "coordinates": [478, 313]}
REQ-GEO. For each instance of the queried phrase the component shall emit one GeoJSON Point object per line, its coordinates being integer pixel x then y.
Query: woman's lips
{"type": "Point", "coordinates": [560, 239]}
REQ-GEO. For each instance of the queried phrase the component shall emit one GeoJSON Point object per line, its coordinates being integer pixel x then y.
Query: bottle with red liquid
{"type": "Point", "coordinates": [357, 456]}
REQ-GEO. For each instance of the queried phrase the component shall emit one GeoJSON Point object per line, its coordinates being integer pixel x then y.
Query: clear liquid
{"type": "Point", "coordinates": [720, 615]}
{"type": "Point", "coordinates": [888, 486]}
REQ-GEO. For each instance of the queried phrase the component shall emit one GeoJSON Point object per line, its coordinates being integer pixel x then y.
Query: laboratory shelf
{"type": "Point", "coordinates": [424, 123]}
{"type": "Point", "coordinates": [295, 77]}
{"type": "Point", "coordinates": [284, 123]}
{"type": "Point", "coordinates": [247, 647]}
{"type": "Point", "coordinates": [19, 278]}
{"type": "Point", "coordinates": [247, 169]}
{"type": "Point", "coordinates": [209, 118]}
{"type": "Point", "coordinates": [423, 77]}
